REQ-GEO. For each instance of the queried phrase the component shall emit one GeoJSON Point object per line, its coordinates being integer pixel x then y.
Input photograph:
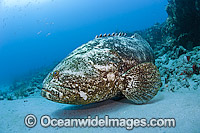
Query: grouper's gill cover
{"type": "Point", "coordinates": [103, 68]}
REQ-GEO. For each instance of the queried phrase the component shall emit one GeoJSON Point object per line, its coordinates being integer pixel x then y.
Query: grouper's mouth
{"type": "Point", "coordinates": [58, 96]}
{"type": "Point", "coordinates": [49, 95]}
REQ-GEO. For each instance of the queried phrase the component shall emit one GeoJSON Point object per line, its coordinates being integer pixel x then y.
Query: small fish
{"type": "Point", "coordinates": [48, 34]}
{"type": "Point", "coordinates": [102, 69]}
{"type": "Point", "coordinates": [39, 32]}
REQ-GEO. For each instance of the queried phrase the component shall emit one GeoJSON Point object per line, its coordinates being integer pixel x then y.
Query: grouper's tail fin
{"type": "Point", "coordinates": [142, 83]}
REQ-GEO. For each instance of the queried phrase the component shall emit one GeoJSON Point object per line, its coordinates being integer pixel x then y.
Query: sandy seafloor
{"type": "Point", "coordinates": [184, 107]}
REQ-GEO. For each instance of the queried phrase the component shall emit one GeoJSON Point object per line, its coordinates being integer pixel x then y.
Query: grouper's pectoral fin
{"type": "Point", "coordinates": [142, 83]}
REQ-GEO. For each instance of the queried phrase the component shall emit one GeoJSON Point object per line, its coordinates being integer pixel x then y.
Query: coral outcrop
{"type": "Point", "coordinates": [30, 85]}
{"type": "Point", "coordinates": [183, 22]}
{"type": "Point", "coordinates": [180, 74]}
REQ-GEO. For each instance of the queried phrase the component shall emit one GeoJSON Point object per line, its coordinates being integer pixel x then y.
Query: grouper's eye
{"type": "Point", "coordinates": [55, 73]}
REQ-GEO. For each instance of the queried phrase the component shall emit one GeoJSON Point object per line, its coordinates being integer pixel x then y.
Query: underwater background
{"type": "Point", "coordinates": [35, 35]}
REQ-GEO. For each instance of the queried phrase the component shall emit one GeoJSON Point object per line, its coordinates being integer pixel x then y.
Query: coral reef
{"type": "Point", "coordinates": [181, 28]}
{"type": "Point", "coordinates": [183, 22]}
{"type": "Point", "coordinates": [31, 85]}
{"type": "Point", "coordinates": [1, 95]}
{"type": "Point", "coordinates": [182, 73]}
{"type": "Point", "coordinates": [155, 35]}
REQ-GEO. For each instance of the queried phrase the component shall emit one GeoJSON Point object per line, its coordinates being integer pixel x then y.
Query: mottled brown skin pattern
{"type": "Point", "coordinates": [103, 68]}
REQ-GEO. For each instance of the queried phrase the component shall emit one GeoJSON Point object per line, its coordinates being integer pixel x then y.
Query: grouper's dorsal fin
{"type": "Point", "coordinates": [109, 35]}
{"type": "Point", "coordinates": [142, 82]}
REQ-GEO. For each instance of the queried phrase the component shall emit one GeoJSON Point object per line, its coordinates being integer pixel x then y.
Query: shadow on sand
{"type": "Point", "coordinates": [101, 108]}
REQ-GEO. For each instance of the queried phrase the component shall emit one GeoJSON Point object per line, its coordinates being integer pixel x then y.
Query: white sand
{"type": "Point", "coordinates": [184, 107]}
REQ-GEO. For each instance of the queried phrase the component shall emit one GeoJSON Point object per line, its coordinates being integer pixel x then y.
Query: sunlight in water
{"type": "Point", "coordinates": [14, 3]}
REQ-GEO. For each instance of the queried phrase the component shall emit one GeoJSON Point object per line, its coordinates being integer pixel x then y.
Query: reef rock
{"type": "Point", "coordinates": [183, 22]}
{"type": "Point", "coordinates": [182, 73]}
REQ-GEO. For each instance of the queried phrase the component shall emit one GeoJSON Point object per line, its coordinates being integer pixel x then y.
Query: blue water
{"type": "Point", "coordinates": [35, 33]}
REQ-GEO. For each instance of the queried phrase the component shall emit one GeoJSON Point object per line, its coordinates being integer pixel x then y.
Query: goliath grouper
{"type": "Point", "coordinates": [104, 68]}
